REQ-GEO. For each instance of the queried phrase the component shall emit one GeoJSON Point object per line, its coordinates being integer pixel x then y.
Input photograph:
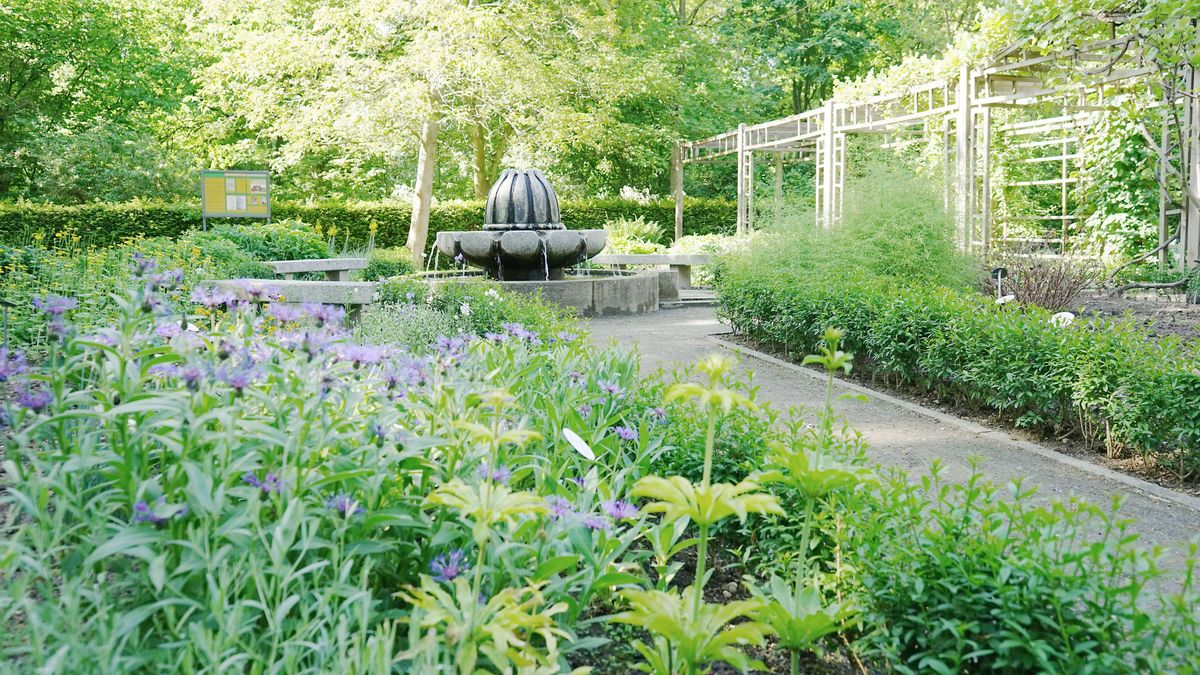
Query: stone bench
{"type": "Point", "coordinates": [681, 263]}
{"type": "Point", "coordinates": [335, 269]}
{"type": "Point", "coordinates": [350, 294]}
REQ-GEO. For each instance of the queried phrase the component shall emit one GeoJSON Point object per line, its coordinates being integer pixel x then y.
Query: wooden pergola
{"type": "Point", "coordinates": [1060, 92]}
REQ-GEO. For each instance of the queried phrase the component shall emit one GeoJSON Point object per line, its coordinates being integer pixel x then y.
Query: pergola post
{"type": "Point", "coordinates": [1192, 160]}
{"type": "Point", "coordinates": [741, 179]}
{"type": "Point", "coordinates": [677, 187]}
{"type": "Point", "coordinates": [778, 188]}
{"type": "Point", "coordinates": [749, 190]}
{"type": "Point", "coordinates": [985, 225]}
{"type": "Point", "coordinates": [829, 168]}
{"type": "Point", "coordinates": [963, 156]}
{"type": "Point", "coordinates": [1164, 198]}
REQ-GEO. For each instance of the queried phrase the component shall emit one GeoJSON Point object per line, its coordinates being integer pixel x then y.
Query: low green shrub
{"type": "Point", "coordinates": [959, 577]}
{"type": "Point", "coordinates": [384, 263]}
{"type": "Point", "coordinates": [1106, 380]}
{"type": "Point", "coordinates": [632, 235]}
{"type": "Point", "coordinates": [279, 240]}
{"type": "Point", "coordinates": [106, 224]}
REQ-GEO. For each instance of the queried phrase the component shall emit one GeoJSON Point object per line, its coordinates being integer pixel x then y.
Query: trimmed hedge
{"type": "Point", "coordinates": [1103, 380]}
{"type": "Point", "coordinates": [106, 224]}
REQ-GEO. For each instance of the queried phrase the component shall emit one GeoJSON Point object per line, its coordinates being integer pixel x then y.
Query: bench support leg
{"type": "Point", "coordinates": [337, 275]}
{"type": "Point", "coordinates": [684, 274]}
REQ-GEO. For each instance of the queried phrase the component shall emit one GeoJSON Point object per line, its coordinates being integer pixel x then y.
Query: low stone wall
{"type": "Point", "coordinates": [598, 294]}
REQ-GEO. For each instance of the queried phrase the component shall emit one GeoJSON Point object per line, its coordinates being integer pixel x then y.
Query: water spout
{"type": "Point", "coordinates": [499, 265]}
{"type": "Point", "coordinates": [545, 262]}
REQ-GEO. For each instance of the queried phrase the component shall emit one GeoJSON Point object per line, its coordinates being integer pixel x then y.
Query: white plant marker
{"type": "Point", "coordinates": [579, 444]}
{"type": "Point", "coordinates": [1005, 299]}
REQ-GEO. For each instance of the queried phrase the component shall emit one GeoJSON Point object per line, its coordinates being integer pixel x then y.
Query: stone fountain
{"type": "Point", "coordinates": [523, 238]}
{"type": "Point", "coordinates": [525, 247]}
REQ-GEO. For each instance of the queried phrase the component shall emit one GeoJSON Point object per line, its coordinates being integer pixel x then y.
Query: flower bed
{"type": "Point", "coordinates": [252, 489]}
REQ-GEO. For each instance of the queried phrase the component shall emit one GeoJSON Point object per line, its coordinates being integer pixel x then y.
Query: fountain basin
{"type": "Point", "coordinates": [522, 254]}
{"type": "Point", "coordinates": [599, 293]}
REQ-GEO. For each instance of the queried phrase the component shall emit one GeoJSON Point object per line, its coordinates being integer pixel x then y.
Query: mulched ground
{"type": "Point", "coordinates": [1163, 314]}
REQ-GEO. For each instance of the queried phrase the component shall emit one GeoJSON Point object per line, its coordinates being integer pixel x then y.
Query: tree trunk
{"type": "Point", "coordinates": [796, 102]}
{"type": "Point", "coordinates": [418, 229]}
{"type": "Point", "coordinates": [480, 163]}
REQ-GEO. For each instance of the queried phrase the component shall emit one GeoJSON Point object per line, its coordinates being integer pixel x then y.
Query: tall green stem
{"type": "Point", "coordinates": [802, 567]}
{"type": "Point", "coordinates": [709, 444]}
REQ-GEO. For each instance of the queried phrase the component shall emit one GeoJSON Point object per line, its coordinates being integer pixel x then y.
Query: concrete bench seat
{"type": "Point", "coordinates": [681, 263]}
{"type": "Point", "coordinates": [350, 294]}
{"type": "Point", "coordinates": [335, 269]}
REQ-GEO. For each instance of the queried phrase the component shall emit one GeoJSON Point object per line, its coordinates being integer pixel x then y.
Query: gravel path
{"type": "Point", "coordinates": [898, 435]}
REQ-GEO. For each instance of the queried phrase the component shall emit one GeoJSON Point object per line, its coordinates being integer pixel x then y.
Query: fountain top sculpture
{"type": "Point", "coordinates": [523, 238]}
{"type": "Point", "coordinates": [522, 199]}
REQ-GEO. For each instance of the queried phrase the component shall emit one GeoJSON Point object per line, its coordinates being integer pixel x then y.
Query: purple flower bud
{"type": "Point", "coordinates": [344, 504]}
{"type": "Point", "coordinates": [159, 514]}
{"type": "Point", "coordinates": [325, 314]}
{"type": "Point", "coordinates": [659, 415]}
{"type": "Point", "coordinates": [252, 480]}
{"type": "Point", "coordinates": [585, 410]}
{"type": "Point", "coordinates": [611, 388]}
{"type": "Point", "coordinates": [446, 567]}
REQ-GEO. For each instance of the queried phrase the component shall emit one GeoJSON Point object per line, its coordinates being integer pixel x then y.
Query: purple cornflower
{"type": "Point", "coordinates": [257, 290]}
{"type": "Point", "coordinates": [451, 348]}
{"type": "Point", "coordinates": [625, 433]}
{"type": "Point", "coordinates": [143, 265]}
{"type": "Point", "coordinates": [575, 377]}
{"type": "Point", "coordinates": [12, 363]}
{"type": "Point", "coordinates": [237, 378]}
{"type": "Point", "coordinates": [167, 280]}
{"type": "Point", "coordinates": [191, 375]}
{"type": "Point", "coordinates": [144, 513]}
{"type": "Point", "coordinates": [659, 415]}
{"type": "Point", "coordinates": [595, 523]}
{"type": "Point", "coordinates": [446, 567]}
{"type": "Point", "coordinates": [619, 509]}
{"type": "Point", "coordinates": [577, 480]}
{"type": "Point", "coordinates": [610, 388]}
{"type": "Point", "coordinates": [495, 337]}
{"type": "Point", "coordinates": [360, 355]}
{"type": "Point", "coordinates": [284, 313]}
{"type": "Point", "coordinates": [269, 483]}
{"type": "Point", "coordinates": [459, 259]}
{"type": "Point", "coordinates": [409, 372]}
{"type": "Point", "coordinates": [168, 329]}
{"type": "Point", "coordinates": [34, 397]}
{"type": "Point", "coordinates": [55, 305]}
{"type": "Point", "coordinates": [344, 504]}
{"type": "Point", "coordinates": [212, 297]}
{"type": "Point", "coordinates": [501, 474]}
{"type": "Point", "coordinates": [164, 370]}
{"type": "Point", "coordinates": [521, 333]}
{"type": "Point", "coordinates": [560, 507]}
{"type": "Point", "coordinates": [565, 336]}
{"type": "Point", "coordinates": [585, 410]}
{"type": "Point", "coordinates": [325, 314]}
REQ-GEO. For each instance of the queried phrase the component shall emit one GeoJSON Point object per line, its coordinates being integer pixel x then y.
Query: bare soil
{"type": "Point", "coordinates": [1163, 314]}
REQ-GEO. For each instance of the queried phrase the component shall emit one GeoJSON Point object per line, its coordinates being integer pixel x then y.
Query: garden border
{"type": "Point", "coordinates": [1151, 490]}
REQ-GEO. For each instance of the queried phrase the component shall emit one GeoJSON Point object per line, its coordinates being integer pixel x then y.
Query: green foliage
{"type": "Point", "coordinates": [968, 577]}
{"type": "Point", "coordinates": [104, 224]}
{"type": "Point", "coordinates": [634, 235]}
{"type": "Point", "coordinates": [1105, 380]}
{"type": "Point", "coordinates": [279, 240]}
{"type": "Point", "coordinates": [384, 263]}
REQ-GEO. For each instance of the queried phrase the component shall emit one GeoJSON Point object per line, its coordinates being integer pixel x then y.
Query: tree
{"type": "Point", "coordinates": [71, 67]}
